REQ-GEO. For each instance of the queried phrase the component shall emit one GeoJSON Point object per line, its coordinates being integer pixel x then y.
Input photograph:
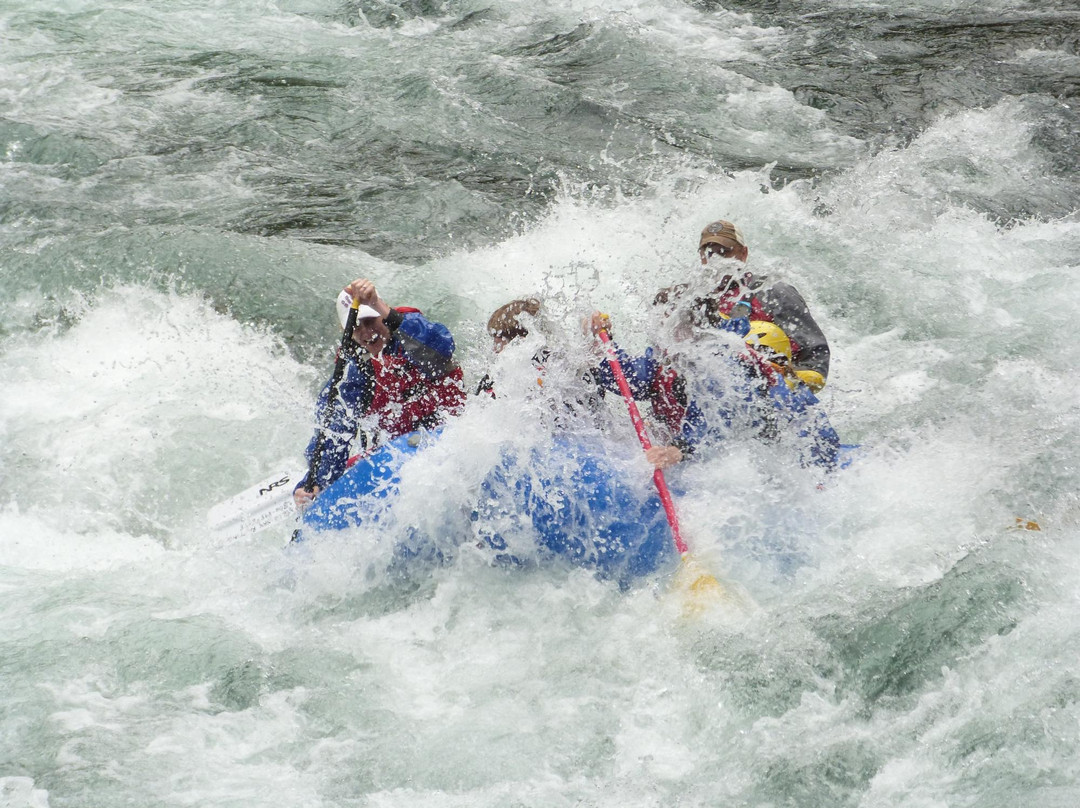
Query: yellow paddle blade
{"type": "Point", "coordinates": [700, 590]}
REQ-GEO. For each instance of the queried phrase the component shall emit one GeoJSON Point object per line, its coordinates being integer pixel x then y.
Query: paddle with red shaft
{"type": "Point", "coordinates": [703, 581]}
{"type": "Point", "coordinates": [639, 427]}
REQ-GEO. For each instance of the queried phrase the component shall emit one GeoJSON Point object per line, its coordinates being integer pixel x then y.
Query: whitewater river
{"type": "Point", "coordinates": [186, 185]}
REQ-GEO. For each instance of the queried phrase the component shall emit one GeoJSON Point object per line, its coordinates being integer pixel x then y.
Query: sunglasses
{"type": "Point", "coordinates": [508, 334]}
{"type": "Point", "coordinates": [722, 250]}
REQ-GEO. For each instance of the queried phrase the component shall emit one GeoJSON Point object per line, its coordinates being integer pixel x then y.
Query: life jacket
{"type": "Point", "coordinates": [404, 400]}
{"type": "Point", "coordinates": [667, 396]}
{"type": "Point", "coordinates": [759, 367]}
{"type": "Point", "coordinates": [401, 399]}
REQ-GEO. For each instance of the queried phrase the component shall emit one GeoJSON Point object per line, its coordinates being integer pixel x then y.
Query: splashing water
{"type": "Point", "coordinates": [188, 185]}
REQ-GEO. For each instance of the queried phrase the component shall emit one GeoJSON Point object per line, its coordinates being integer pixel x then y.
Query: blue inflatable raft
{"type": "Point", "coordinates": [584, 501]}
{"type": "Point", "coordinates": [576, 500]}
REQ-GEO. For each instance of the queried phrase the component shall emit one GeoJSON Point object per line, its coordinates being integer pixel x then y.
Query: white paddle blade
{"type": "Point", "coordinates": [264, 504]}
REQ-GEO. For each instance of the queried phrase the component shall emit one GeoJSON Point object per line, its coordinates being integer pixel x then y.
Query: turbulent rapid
{"type": "Point", "coordinates": [185, 187]}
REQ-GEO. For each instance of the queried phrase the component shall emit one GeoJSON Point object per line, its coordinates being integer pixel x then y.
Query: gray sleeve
{"type": "Point", "coordinates": [790, 312]}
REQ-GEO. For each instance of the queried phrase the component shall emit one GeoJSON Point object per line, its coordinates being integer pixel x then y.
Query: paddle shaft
{"type": "Point", "coordinates": [331, 395]}
{"type": "Point", "coordinates": [639, 427]}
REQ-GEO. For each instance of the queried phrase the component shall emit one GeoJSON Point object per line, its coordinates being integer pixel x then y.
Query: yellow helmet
{"type": "Point", "coordinates": [811, 378]}
{"type": "Point", "coordinates": [769, 339]}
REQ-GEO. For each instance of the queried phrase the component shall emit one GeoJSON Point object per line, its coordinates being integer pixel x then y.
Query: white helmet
{"type": "Point", "coordinates": [344, 303]}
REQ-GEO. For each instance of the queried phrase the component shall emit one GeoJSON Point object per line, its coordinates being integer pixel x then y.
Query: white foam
{"type": "Point", "coordinates": [19, 792]}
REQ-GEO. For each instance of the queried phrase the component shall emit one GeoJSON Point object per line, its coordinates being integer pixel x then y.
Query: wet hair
{"type": "Point", "coordinates": [504, 320]}
{"type": "Point", "coordinates": [669, 294]}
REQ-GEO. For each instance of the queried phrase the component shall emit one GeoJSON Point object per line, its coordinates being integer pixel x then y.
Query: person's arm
{"type": "Point", "coordinates": [820, 445]}
{"type": "Point", "coordinates": [816, 427]}
{"type": "Point", "coordinates": [639, 372]}
{"type": "Point", "coordinates": [789, 311]}
{"type": "Point", "coordinates": [338, 427]}
{"type": "Point", "coordinates": [692, 430]}
{"type": "Point", "coordinates": [825, 448]}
